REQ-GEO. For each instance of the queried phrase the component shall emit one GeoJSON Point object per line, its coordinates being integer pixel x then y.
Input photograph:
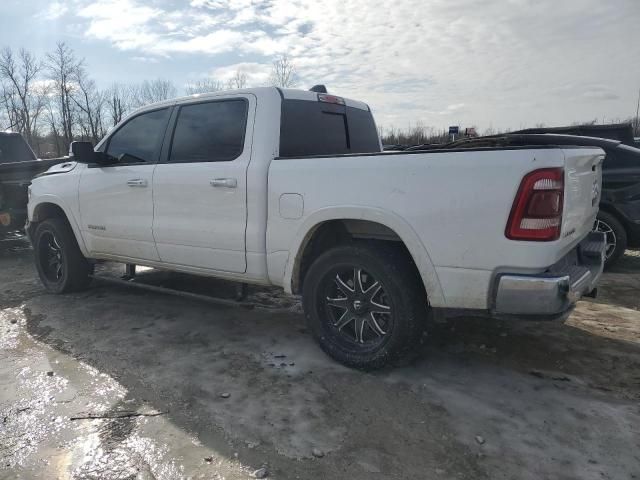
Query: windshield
{"type": "Point", "coordinates": [13, 149]}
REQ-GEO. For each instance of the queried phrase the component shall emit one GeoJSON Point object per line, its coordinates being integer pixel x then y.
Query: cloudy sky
{"type": "Point", "coordinates": [499, 63]}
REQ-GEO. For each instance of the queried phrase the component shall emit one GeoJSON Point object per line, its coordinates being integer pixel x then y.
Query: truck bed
{"type": "Point", "coordinates": [20, 172]}
{"type": "Point", "coordinates": [455, 202]}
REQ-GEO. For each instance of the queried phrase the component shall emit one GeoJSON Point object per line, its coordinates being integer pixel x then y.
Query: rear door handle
{"type": "Point", "coordinates": [224, 182]}
{"type": "Point", "coordinates": [137, 182]}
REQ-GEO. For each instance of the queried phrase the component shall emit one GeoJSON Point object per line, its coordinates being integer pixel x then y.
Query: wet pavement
{"type": "Point", "coordinates": [62, 418]}
{"type": "Point", "coordinates": [122, 383]}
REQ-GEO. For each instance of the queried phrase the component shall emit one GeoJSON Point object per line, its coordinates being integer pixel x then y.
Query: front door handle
{"type": "Point", "coordinates": [137, 182]}
{"type": "Point", "coordinates": [224, 182]}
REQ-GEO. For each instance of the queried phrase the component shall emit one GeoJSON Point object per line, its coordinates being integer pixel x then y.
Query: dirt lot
{"type": "Point", "coordinates": [121, 383]}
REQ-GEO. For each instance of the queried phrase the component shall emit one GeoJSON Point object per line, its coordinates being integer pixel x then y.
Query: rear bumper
{"type": "Point", "coordinates": [555, 291]}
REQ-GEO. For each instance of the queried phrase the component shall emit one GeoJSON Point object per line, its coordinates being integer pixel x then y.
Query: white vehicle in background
{"type": "Point", "coordinates": [290, 188]}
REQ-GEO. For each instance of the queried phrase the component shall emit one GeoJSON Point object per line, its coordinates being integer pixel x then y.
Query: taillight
{"type": "Point", "coordinates": [536, 214]}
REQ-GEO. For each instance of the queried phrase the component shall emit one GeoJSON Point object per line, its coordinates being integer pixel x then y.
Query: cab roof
{"type": "Point", "coordinates": [284, 93]}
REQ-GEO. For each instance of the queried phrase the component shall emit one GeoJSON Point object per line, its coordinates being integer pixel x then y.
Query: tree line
{"type": "Point", "coordinates": [420, 134]}
{"type": "Point", "coordinates": [53, 100]}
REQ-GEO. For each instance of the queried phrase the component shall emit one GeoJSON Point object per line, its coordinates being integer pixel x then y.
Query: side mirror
{"type": "Point", "coordinates": [83, 152]}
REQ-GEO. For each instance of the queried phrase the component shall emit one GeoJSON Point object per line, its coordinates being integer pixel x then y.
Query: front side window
{"type": "Point", "coordinates": [139, 139]}
{"type": "Point", "coordinates": [209, 132]}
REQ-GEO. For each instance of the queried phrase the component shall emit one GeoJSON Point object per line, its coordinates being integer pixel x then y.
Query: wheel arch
{"type": "Point", "coordinates": [611, 209]}
{"type": "Point", "coordinates": [370, 223]}
{"type": "Point", "coordinates": [54, 208]}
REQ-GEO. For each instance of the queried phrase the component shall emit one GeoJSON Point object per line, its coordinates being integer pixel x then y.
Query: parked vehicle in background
{"type": "Point", "coordinates": [18, 165]}
{"type": "Point", "coordinates": [622, 132]}
{"type": "Point", "coordinates": [619, 216]}
{"type": "Point", "coordinates": [291, 188]}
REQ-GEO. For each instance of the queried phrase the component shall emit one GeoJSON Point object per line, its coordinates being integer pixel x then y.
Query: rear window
{"type": "Point", "coordinates": [318, 128]}
{"type": "Point", "coordinates": [13, 148]}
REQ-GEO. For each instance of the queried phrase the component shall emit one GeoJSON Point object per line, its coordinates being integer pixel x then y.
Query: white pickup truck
{"type": "Point", "coordinates": [291, 188]}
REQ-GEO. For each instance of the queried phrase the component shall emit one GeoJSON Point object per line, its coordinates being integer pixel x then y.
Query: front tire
{"type": "Point", "coordinates": [61, 266]}
{"type": "Point", "coordinates": [365, 305]}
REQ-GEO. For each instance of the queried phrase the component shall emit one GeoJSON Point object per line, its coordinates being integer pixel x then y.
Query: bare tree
{"type": "Point", "coordinates": [90, 102]}
{"type": "Point", "coordinates": [9, 102]}
{"type": "Point", "coordinates": [413, 135]}
{"type": "Point", "coordinates": [239, 80]}
{"type": "Point", "coordinates": [118, 102]}
{"type": "Point", "coordinates": [63, 66]}
{"type": "Point", "coordinates": [204, 86]}
{"type": "Point", "coordinates": [40, 96]}
{"type": "Point", "coordinates": [283, 73]}
{"type": "Point", "coordinates": [51, 119]}
{"type": "Point", "coordinates": [5, 123]}
{"type": "Point", "coordinates": [21, 99]}
{"type": "Point", "coordinates": [489, 131]}
{"type": "Point", "coordinates": [151, 91]}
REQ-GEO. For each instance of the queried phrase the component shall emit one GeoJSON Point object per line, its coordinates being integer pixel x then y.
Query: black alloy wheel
{"type": "Point", "coordinates": [365, 304]}
{"type": "Point", "coordinates": [61, 266]}
{"type": "Point", "coordinates": [615, 235]}
{"type": "Point", "coordinates": [51, 257]}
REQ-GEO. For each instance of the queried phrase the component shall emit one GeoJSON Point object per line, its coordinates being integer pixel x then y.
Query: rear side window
{"type": "Point", "coordinates": [140, 138]}
{"type": "Point", "coordinates": [318, 128]}
{"type": "Point", "coordinates": [209, 132]}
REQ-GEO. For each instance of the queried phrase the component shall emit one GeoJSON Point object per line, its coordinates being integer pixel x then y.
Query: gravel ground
{"type": "Point", "coordinates": [122, 383]}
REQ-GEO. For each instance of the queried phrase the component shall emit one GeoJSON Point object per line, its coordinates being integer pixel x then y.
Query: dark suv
{"type": "Point", "coordinates": [619, 215]}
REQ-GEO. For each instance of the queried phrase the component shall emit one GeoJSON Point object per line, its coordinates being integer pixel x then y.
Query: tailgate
{"type": "Point", "coordinates": [583, 187]}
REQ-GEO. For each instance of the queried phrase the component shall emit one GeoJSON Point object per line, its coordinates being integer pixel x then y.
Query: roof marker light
{"type": "Point", "coordinates": [323, 97]}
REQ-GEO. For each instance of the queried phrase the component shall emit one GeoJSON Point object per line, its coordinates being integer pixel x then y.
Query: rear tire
{"type": "Point", "coordinates": [368, 319]}
{"type": "Point", "coordinates": [616, 237]}
{"type": "Point", "coordinates": [61, 266]}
